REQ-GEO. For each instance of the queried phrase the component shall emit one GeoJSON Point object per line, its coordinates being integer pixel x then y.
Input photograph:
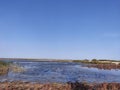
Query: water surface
{"type": "Point", "coordinates": [60, 72]}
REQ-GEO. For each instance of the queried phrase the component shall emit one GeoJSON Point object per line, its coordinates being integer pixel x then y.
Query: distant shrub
{"type": "Point", "coordinates": [95, 61]}
{"type": "Point", "coordinates": [76, 60]}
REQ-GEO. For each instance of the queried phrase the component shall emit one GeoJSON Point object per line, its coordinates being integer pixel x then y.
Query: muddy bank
{"type": "Point", "coordinates": [105, 66]}
{"type": "Point", "coordinates": [58, 86]}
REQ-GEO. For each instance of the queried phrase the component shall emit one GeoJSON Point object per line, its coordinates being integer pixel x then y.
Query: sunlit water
{"type": "Point", "coordinates": [60, 72]}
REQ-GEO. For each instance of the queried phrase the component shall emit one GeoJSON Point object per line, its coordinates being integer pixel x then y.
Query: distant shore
{"type": "Point", "coordinates": [63, 60]}
{"type": "Point", "coordinates": [100, 64]}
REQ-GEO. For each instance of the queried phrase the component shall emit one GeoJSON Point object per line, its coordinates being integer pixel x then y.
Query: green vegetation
{"type": "Point", "coordinates": [4, 67]}
{"type": "Point", "coordinates": [2, 63]}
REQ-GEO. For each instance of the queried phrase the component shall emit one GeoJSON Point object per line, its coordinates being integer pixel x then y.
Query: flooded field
{"type": "Point", "coordinates": [60, 72]}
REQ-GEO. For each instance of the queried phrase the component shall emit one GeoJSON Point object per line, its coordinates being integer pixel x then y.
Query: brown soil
{"type": "Point", "coordinates": [57, 86]}
{"type": "Point", "coordinates": [105, 66]}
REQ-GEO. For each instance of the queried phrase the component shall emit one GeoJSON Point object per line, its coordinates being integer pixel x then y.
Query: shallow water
{"type": "Point", "coordinates": [60, 72]}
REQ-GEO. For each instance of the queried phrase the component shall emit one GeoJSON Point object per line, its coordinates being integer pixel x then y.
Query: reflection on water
{"type": "Point", "coordinates": [61, 72]}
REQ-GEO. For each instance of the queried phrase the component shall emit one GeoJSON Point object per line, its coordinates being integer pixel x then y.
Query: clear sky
{"type": "Point", "coordinates": [65, 29]}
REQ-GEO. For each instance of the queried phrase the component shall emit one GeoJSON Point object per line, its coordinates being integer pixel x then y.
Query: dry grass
{"type": "Point", "coordinates": [30, 86]}
{"type": "Point", "coordinates": [58, 86]}
{"type": "Point", "coordinates": [4, 68]}
{"type": "Point", "coordinates": [105, 66]}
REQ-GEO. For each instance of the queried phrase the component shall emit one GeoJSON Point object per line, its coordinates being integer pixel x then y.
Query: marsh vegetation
{"type": "Point", "coordinates": [66, 75]}
{"type": "Point", "coordinates": [4, 68]}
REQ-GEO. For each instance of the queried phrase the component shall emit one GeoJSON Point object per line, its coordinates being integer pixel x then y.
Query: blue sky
{"type": "Point", "coordinates": [63, 29]}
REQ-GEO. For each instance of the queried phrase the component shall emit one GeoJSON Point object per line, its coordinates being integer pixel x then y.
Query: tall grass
{"type": "Point", "coordinates": [4, 67]}
{"type": "Point", "coordinates": [2, 63]}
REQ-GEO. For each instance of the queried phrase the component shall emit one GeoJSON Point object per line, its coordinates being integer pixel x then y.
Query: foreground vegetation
{"type": "Point", "coordinates": [58, 86]}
